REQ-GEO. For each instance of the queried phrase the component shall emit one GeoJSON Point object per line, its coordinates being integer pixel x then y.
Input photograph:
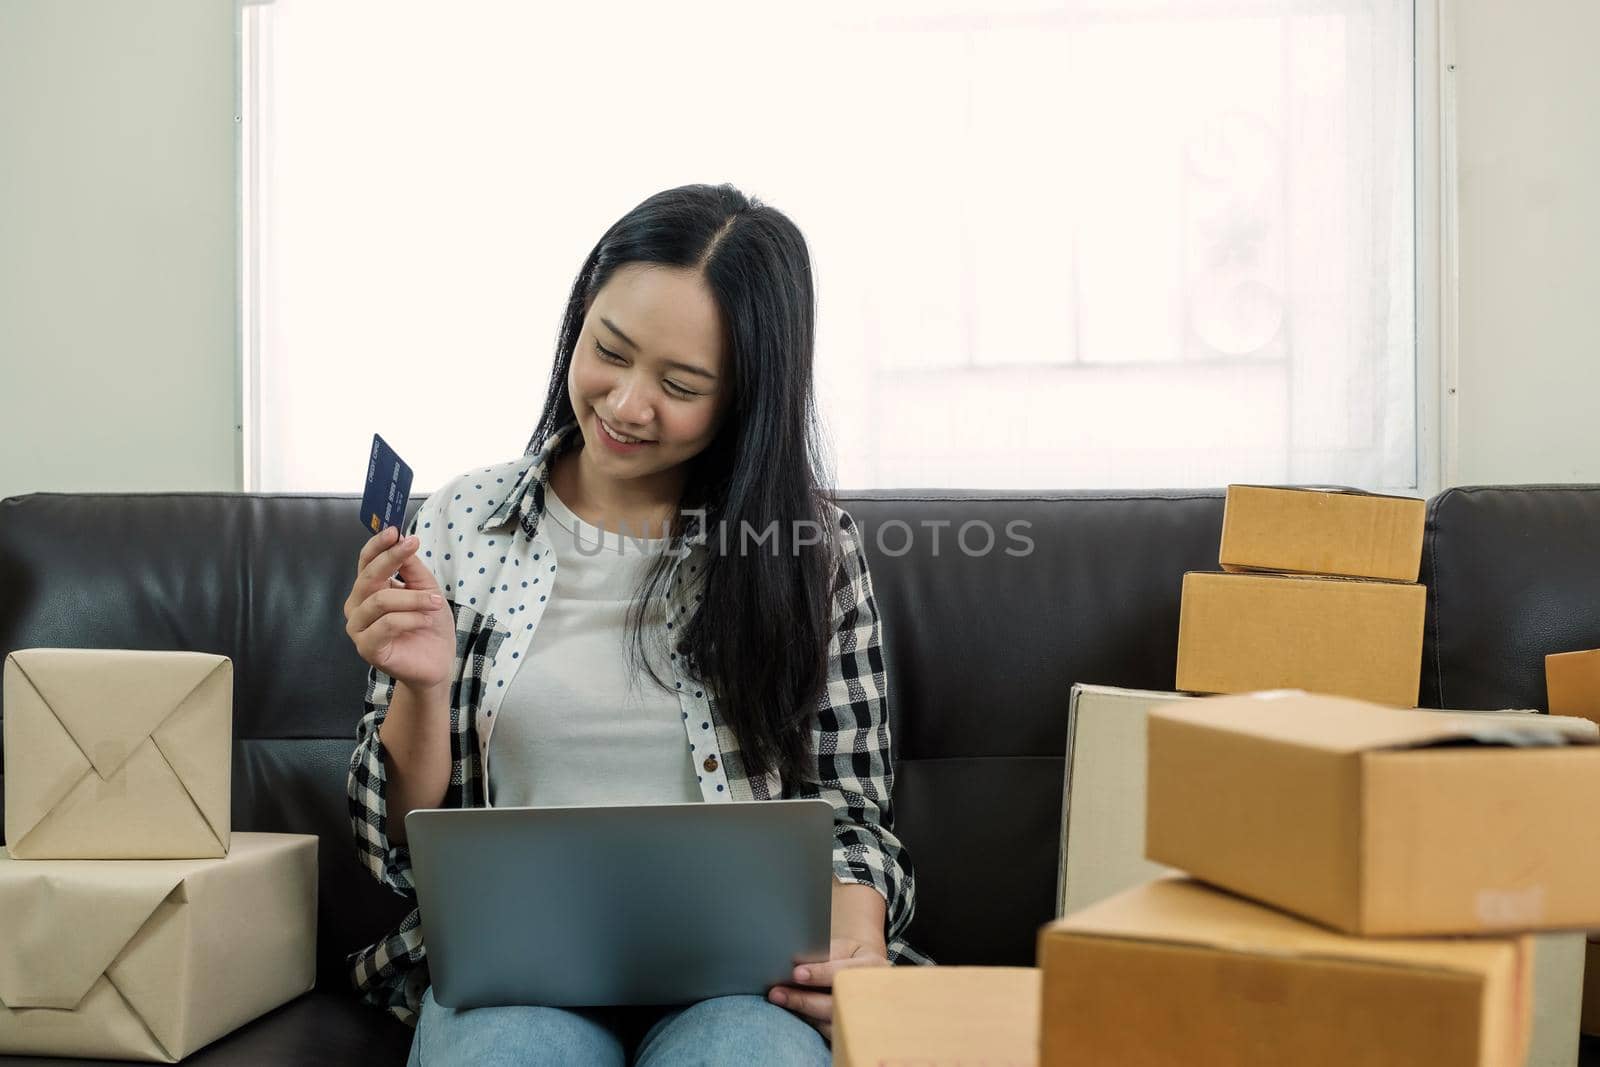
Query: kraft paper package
{"type": "Point", "coordinates": [152, 959]}
{"type": "Point", "coordinates": [117, 754]}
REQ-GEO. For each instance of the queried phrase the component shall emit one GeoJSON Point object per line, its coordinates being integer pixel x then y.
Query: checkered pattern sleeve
{"type": "Point", "coordinates": [366, 786]}
{"type": "Point", "coordinates": [850, 743]}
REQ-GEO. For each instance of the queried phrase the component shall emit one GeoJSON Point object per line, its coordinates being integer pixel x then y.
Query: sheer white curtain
{"type": "Point", "coordinates": [1066, 245]}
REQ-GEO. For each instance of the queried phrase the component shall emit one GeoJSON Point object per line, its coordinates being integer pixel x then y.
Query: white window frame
{"type": "Point", "coordinates": [1438, 275]}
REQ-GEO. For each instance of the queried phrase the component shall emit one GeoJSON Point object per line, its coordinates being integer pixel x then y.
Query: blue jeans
{"type": "Point", "coordinates": [738, 1030]}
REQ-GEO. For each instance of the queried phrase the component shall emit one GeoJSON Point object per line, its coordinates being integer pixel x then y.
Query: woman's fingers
{"type": "Point", "coordinates": [821, 974]}
{"type": "Point", "coordinates": [376, 544]}
{"type": "Point", "coordinates": [387, 603]}
{"type": "Point", "coordinates": [816, 1007]}
{"type": "Point", "coordinates": [385, 563]}
{"type": "Point", "coordinates": [380, 636]}
{"type": "Point", "coordinates": [813, 1006]}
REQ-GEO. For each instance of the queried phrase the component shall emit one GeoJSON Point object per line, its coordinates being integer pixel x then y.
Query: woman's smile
{"type": "Point", "coordinates": [620, 441]}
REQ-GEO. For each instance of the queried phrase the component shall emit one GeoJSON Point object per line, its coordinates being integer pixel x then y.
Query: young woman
{"type": "Point", "coordinates": [726, 648]}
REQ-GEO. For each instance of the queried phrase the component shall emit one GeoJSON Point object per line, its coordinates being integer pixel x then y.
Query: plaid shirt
{"type": "Point", "coordinates": [480, 536]}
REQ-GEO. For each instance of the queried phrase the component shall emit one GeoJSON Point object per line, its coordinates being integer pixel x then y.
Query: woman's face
{"type": "Point", "coordinates": [650, 367]}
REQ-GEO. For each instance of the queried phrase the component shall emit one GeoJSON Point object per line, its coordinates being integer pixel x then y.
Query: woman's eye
{"type": "Point", "coordinates": [672, 387]}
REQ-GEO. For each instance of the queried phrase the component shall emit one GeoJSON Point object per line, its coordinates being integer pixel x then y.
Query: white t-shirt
{"type": "Point", "coordinates": [577, 725]}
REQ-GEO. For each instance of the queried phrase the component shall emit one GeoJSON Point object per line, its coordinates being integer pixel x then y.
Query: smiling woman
{"type": "Point", "coordinates": [692, 669]}
{"type": "Point", "coordinates": [645, 407]}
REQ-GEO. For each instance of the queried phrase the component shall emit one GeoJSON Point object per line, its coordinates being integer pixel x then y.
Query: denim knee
{"type": "Point", "coordinates": [512, 1037]}
{"type": "Point", "coordinates": [733, 1030]}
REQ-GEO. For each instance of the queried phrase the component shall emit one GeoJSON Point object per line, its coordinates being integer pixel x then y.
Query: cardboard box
{"type": "Point", "coordinates": [117, 754]}
{"type": "Point", "coordinates": [936, 1015]}
{"type": "Point", "coordinates": [1103, 791]}
{"type": "Point", "coordinates": [1102, 844]}
{"type": "Point", "coordinates": [1315, 531]}
{"type": "Point", "coordinates": [152, 959]}
{"type": "Point", "coordinates": [1572, 682]}
{"type": "Point", "coordinates": [1239, 633]}
{"type": "Point", "coordinates": [1378, 821]}
{"type": "Point", "coordinates": [1102, 795]}
{"type": "Point", "coordinates": [1176, 972]}
{"type": "Point", "coordinates": [1558, 957]}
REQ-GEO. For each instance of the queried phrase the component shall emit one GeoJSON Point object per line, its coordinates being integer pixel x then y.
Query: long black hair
{"type": "Point", "coordinates": [759, 638]}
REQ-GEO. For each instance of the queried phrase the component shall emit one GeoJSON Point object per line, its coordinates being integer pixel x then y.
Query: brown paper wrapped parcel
{"type": "Point", "coordinates": [152, 959]}
{"type": "Point", "coordinates": [117, 754]}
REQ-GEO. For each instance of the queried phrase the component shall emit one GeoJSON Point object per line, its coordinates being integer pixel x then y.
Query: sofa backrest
{"type": "Point", "coordinates": [258, 578]}
{"type": "Point", "coordinates": [982, 649]}
{"type": "Point", "coordinates": [982, 652]}
{"type": "Point", "coordinates": [1513, 574]}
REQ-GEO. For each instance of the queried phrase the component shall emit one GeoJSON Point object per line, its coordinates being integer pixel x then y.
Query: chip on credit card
{"type": "Point", "coordinates": [388, 488]}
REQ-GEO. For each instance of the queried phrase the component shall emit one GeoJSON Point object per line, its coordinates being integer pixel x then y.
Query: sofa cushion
{"type": "Point", "coordinates": [314, 1030]}
{"type": "Point", "coordinates": [1513, 574]}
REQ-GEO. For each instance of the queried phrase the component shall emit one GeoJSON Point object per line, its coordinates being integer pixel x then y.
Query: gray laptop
{"type": "Point", "coordinates": [612, 905]}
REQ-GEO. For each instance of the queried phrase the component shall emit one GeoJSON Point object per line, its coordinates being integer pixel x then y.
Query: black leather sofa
{"type": "Point", "coordinates": [981, 653]}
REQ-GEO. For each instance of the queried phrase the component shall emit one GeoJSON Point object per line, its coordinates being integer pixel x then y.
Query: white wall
{"type": "Point", "coordinates": [1528, 150]}
{"type": "Point", "coordinates": [118, 247]}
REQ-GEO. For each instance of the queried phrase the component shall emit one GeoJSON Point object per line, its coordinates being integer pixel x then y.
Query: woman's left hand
{"type": "Point", "coordinates": [816, 1008]}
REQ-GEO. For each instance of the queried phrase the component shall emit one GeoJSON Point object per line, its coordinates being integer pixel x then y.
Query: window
{"type": "Point", "coordinates": [1072, 245]}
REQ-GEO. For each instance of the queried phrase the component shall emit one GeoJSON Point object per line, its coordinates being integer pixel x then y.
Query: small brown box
{"type": "Point", "coordinates": [1315, 531]}
{"type": "Point", "coordinates": [1238, 633]}
{"type": "Point", "coordinates": [1572, 682]}
{"type": "Point", "coordinates": [1173, 971]}
{"type": "Point", "coordinates": [916, 1015]}
{"type": "Point", "coordinates": [1377, 821]}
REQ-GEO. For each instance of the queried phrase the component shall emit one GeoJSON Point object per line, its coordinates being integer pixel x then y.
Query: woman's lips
{"type": "Point", "coordinates": [605, 432]}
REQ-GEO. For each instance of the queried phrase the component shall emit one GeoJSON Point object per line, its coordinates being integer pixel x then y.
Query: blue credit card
{"type": "Point", "coordinates": [388, 488]}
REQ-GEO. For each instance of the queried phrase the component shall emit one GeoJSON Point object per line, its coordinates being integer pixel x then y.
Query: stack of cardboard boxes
{"type": "Point", "coordinates": [1359, 885]}
{"type": "Point", "coordinates": [136, 924]}
{"type": "Point", "coordinates": [1321, 594]}
{"type": "Point", "coordinates": [1358, 882]}
{"type": "Point", "coordinates": [1364, 880]}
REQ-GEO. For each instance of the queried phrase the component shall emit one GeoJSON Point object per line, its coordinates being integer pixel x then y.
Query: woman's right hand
{"type": "Point", "coordinates": [401, 626]}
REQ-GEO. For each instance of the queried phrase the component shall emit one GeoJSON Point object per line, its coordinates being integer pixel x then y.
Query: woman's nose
{"type": "Point", "coordinates": [629, 405]}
